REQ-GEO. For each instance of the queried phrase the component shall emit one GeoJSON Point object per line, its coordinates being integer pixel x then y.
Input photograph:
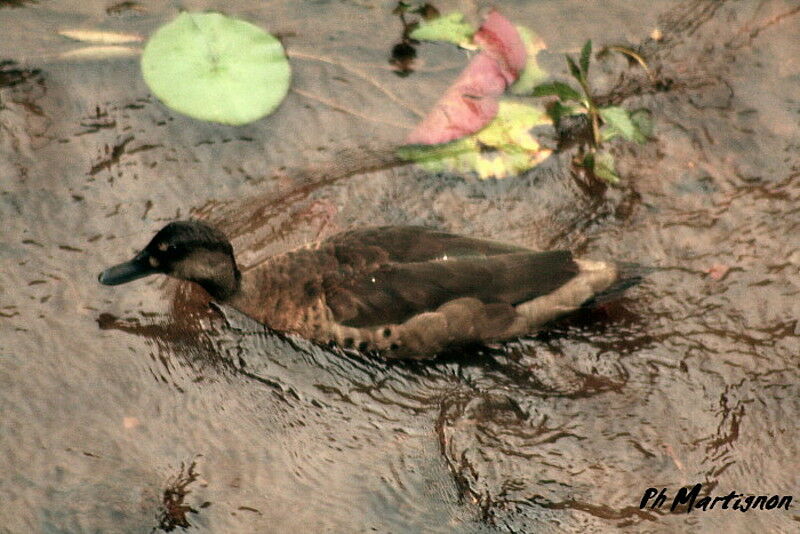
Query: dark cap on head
{"type": "Point", "coordinates": [190, 250]}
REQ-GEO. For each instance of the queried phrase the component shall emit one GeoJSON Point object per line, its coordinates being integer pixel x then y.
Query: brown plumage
{"type": "Point", "coordinates": [404, 291]}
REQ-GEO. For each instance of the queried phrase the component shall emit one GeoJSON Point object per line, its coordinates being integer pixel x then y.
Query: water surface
{"type": "Point", "coordinates": [139, 408]}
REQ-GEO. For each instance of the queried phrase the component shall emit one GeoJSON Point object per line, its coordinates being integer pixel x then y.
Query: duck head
{"type": "Point", "coordinates": [187, 250]}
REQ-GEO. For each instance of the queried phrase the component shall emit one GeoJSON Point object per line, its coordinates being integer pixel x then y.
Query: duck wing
{"type": "Point", "coordinates": [369, 289]}
{"type": "Point", "coordinates": [409, 244]}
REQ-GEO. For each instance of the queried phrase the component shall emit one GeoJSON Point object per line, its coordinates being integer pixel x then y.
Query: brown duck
{"type": "Point", "coordinates": [407, 292]}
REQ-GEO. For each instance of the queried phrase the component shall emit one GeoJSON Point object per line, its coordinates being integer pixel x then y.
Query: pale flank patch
{"type": "Point", "coordinates": [594, 277]}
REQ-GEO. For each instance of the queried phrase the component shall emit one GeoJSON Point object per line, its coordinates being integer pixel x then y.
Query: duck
{"type": "Point", "coordinates": [398, 291]}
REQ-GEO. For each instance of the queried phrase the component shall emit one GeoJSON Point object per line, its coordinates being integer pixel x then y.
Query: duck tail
{"type": "Point", "coordinates": [629, 275]}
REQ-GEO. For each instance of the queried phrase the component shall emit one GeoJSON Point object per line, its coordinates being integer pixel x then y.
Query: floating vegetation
{"type": "Point", "coordinates": [471, 102]}
{"type": "Point", "coordinates": [506, 147]}
{"type": "Point", "coordinates": [458, 134]}
{"type": "Point", "coordinates": [606, 122]}
{"type": "Point", "coordinates": [472, 128]}
{"type": "Point", "coordinates": [99, 52]}
{"type": "Point", "coordinates": [101, 37]}
{"type": "Point", "coordinates": [533, 74]}
{"type": "Point", "coordinates": [174, 511]}
{"type": "Point", "coordinates": [216, 68]}
{"type": "Point", "coordinates": [449, 28]}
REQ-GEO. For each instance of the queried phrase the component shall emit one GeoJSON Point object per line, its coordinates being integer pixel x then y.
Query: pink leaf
{"type": "Point", "coordinates": [501, 40]}
{"type": "Point", "coordinates": [471, 102]}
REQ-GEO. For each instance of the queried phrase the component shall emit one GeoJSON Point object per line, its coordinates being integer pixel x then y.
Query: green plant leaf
{"type": "Point", "coordinates": [586, 55]}
{"type": "Point", "coordinates": [607, 133]}
{"type": "Point", "coordinates": [216, 68]}
{"type": "Point", "coordinates": [643, 121]}
{"type": "Point", "coordinates": [449, 28]}
{"type": "Point", "coordinates": [619, 121]}
{"type": "Point", "coordinates": [558, 110]}
{"type": "Point", "coordinates": [643, 127]}
{"type": "Point", "coordinates": [533, 73]}
{"type": "Point", "coordinates": [560, 89]}
{"type": "Point", "coordinates": [604, 167]}
{"type": "Point", "coordinates": [573, 69]}
{"type": "Point", "coordinates": [458, 155]}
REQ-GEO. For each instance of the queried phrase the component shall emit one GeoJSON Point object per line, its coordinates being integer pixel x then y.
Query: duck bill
{"type": "Point", "coordinates": [138, 267]}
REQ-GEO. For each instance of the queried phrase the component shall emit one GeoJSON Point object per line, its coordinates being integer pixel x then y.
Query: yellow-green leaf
{"type": "Point", "coordinates": [604, 167]}
{"type": "Point", "coordinates": [505, 147]}
{"type": "Point", "coordinates": [449, 28]}
{"type": "Point", "coordinates": [533, 74]}
{"type": "Point", "coordinates": [511, 128]}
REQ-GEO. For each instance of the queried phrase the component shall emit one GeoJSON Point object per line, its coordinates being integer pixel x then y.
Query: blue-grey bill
{"type": "Point", "coordinates": [126, 272]}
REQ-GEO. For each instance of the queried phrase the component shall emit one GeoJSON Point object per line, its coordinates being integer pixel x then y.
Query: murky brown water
{"type": "Point", "coordinates": [136, 408]}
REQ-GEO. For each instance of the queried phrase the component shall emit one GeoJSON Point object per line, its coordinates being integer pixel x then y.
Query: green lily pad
{"type": "Point", "coordinates": [449, 28]}
{"type": "Point", "coordinates": [216, 68]}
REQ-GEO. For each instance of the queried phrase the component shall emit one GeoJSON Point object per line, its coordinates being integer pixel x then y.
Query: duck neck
{"type": "Point", "coordinates": [215, 271]}
{"type": "Point", "coordinates": [223, 287]}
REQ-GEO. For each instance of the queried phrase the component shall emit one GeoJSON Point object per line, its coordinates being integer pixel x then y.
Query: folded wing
{"type": "Point", "coordinates": [389, 292]}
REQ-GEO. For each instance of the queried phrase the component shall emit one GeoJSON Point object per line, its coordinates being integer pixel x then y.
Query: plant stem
{"type": "Point", "coordinates": [591, 108]}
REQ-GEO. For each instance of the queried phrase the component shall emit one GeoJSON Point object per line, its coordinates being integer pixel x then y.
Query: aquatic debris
{"type": "Point", "coordinates": [16, 3]}
{"type": "Point", "coordinates": [99, 52]}
{"type": "Point", "coordinates": [471, 129]}
{"type": "Point", "coordinates": [402, 58]}
{"type": "Point", "coordinates": [632, 56]}
{"type": "Point", "coordinates": [107, 44]}
{"type": "Point", "coordinates": [718, 271]}
{"type": "Point", "coordinates": [125, 7]}
{"type": "Point", "coordinates": [506, 147]}
{"type": "Point", "coordinates": [130, 422]}
{"type": "Point", "coordinates": [173, 512]}
{"type": "Point", "coordinates": [216, 68]}
{"type": "Point", "coordinates": [449, 28]}
{"type": "Point", "coordinates": [404, 53]}
{"type": "Point", "coordinates": [11, 74]}
{"type": "Point", "coordinates": [472, 101]}
{"type": "Point", "coordinates": [101, 37]}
